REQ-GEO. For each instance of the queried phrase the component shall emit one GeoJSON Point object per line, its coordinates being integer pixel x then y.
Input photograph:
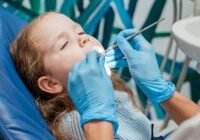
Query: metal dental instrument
{"type": "Point", "coordinates": [135, 34]}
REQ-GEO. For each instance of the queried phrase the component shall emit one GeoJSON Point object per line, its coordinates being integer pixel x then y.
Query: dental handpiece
{"type": "Point", "coordinates": [135, 34]}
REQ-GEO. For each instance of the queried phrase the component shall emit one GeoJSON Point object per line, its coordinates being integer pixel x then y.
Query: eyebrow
{"type": "Point", "coordinates": [81, 33]}
{"type": "Point", "coordinates": [61, 35]}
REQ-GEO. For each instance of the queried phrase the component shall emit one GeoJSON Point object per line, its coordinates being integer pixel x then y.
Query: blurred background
{"type": "Point", "coordinates": [105, 18]}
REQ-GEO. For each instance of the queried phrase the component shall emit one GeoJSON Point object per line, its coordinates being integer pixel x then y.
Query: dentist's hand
{"type": "Point", "coordinates": [91, 90]}
{"type": "Point", "coordinates": [142, 64]}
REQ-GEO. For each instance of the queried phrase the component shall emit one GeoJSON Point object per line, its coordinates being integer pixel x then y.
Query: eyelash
{"type": "Point", "coordinates": [64, 45]}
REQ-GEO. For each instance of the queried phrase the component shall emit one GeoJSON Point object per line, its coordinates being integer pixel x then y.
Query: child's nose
{"type": "Point", "coordinates": [83, 40]}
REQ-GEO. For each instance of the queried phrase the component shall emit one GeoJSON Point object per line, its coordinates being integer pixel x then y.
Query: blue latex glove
{"type": "Point", "coordinates": [142, 64]}
{"type": "Point", "coordinates": [91, 90]}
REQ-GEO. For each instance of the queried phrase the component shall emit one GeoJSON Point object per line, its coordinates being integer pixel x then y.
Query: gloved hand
{"type": "Point", "coordinates": [142, 64]}
{"type": "Point", "coordinates": [91, 90]}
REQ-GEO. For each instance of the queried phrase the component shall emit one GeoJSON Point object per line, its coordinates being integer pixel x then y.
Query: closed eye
{"type": "Point", "coordinates": [64, 45]}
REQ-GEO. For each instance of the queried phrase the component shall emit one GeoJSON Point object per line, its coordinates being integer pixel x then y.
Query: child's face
{"type": "Point", "coordinates": [63, 43]}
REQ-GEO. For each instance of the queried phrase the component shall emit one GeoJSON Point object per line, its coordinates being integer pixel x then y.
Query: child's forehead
{"type": "Point", "coordinates": [50, 27]}
{"type": "Point", "coordinates": [53, 22]}
{"type": "Point", "coordinates": [53, 17]}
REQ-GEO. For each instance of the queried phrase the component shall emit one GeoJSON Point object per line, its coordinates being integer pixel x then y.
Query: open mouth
{"type": "Point", "coordinates": [101, 51]}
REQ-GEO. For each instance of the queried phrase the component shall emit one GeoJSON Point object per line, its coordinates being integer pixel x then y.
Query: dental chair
{"type": "Point", "coordinates": [20, 118]}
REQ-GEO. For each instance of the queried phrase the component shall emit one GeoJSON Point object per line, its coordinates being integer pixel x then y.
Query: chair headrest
{"type": "Point", "coordinates": [20, 117]}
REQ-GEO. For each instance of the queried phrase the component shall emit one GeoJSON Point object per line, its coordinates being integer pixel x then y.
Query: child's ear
{"type": "Point", "coordinates": [50, 85]}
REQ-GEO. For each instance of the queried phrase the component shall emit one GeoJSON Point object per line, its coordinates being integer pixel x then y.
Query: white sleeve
{"type": "Point", "coordinates": [188, 130]}
{"type": "Point", "coordinates": [70, 127]}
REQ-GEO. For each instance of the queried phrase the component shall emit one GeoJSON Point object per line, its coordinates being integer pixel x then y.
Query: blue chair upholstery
{"type": "Point", "coordinates": [20, 118]}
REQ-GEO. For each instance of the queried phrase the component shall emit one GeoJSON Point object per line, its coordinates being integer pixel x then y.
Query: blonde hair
{"type": "Point", "coordinates": [30, 66]}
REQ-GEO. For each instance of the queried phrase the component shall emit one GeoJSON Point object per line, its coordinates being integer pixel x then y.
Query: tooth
{"type": "Point", "coordinates": [98, 49]}
{"type": "Point", "coordinates": [101, 50]}
{"type": "Point", "coordinates": [107, 68]}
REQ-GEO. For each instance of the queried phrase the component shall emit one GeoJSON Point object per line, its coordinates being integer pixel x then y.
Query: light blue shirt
{"type": "Point", "coordinates": [133, 124]}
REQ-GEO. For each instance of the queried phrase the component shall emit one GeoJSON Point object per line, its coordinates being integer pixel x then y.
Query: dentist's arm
{"type": "Point", "coordinates": [98, 130]}
{"type": "Point", "coordinates": [180, 108]}
{"type": "Point", "coordinates": [92, 93]}
{"type": "Point", "coordinates": [143, 67]}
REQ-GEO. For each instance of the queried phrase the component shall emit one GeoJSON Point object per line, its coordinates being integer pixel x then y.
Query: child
{"type": "Point", "coordinates": [44, 53]}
